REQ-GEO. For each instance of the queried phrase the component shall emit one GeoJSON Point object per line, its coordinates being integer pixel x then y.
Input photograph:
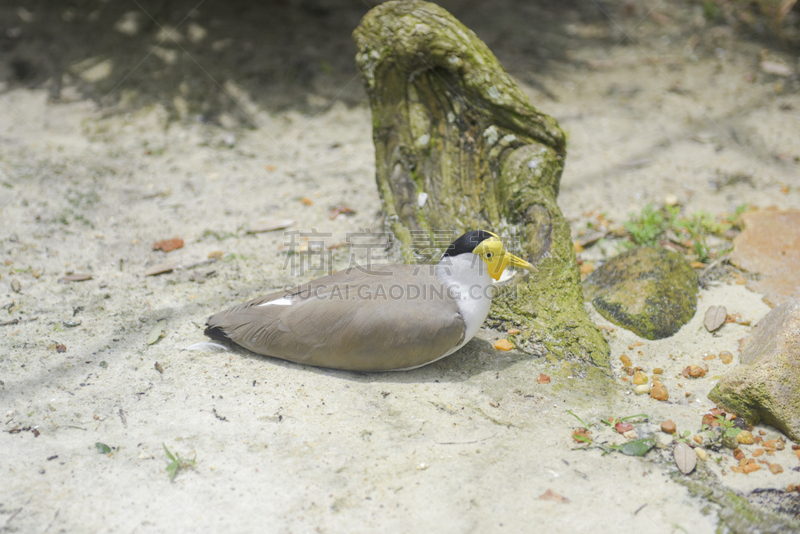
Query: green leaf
{"type": "Point", "coordinates": [172, 469]}
{"type": "Point", "coordinates": [638, 447]}
{"type": "Point", "coordinates": [578, 418]}
{"type": "Point", "coordinates": [169, 454]}
{"type": "Point", "coordinates": [102, 448]}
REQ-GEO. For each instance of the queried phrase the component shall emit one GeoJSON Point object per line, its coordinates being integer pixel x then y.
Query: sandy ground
{"type": "Point", "coordinates": [468, 444]}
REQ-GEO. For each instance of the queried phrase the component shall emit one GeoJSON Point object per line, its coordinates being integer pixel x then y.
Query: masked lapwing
{"type": "Point", "coordinates": [387, 317]}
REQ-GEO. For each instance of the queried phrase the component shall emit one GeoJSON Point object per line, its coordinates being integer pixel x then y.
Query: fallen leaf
{"type": "Point", "coordinates": [715, 317]}
{"type": "Point", "coordinates": [773, 67]}
{"type": "Point", "coordinates": [340, 210]}
{"type": "Point", "coordinates": [551, 495]}
{"type": "Point", "coordinates": [157, 332]}
{"type": "Point", "coordinates": [168, 245]}
{"type": "Point", "coordinates": [76, 277]}
{"type": "Point", "coordinates": [543, 379]}
{"type": "Point", "coordinates": [637, 447]}
{"type": "Point", "coordinates": [685, 458]}
{"type": "Point", "coordinates": [271, 226]}
{"type": "Point", "coordinates": [161, 268]}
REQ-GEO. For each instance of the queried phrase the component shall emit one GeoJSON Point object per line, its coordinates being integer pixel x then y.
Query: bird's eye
{"type": "Point", "coordinates": [488, 255]}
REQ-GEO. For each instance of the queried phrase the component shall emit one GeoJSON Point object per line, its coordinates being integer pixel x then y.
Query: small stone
{"type": "Point", "coordinates": [757, 453]}
{"type": "Point", "coordinates": [642, 389]}
{"type": "Point", "coordinates": [738, 454]}
{"type": "Point", "coordinates": [659, 394]}
{"type": "Point", "coordinates": [587, 268]}
{"type": "Point", "coordinates": [750, 468]}
{"type": "Point", "coordinates": [726, 357]}
{"type": "Point", "coordinates": [698, 439]}
{"type": "Point", "coordinates": [658, 371]}
{"type": "Point", "coordinates": [668, 426]}
{"type": "Point", "coordinates": [503, 344]}
{"type": "Point", "coordinates": [71, 323]}
{"type": "Point", "coordinates": [623, 426]}
{"type": "Point", "coordinates": [775, 468]}
{"type": "Point", "coordinates": [543, 379]}
{"type": "Point", "coordinates": [701, 453]}
{"type": "Point", "coordinates": [639, 378]}
{"type": "Point", "coordinates": [422, 467]}
{"type": "Point", "coordinates": [657, 383]}
{"type": "Point", "coordinates": [745, 438]}
{"type": "Point", "coordinates": [514, 331]}
{"type": "Point", "coordinates": [16, 286]}
{"type": "Point", "coordinates": [626, 361]}
{"type": "Point", "coordinates": [671, 200]}
{"type": "Point", "coordinates": [630, 435]}
{"type": "Point", "coordinates": [694, 371]}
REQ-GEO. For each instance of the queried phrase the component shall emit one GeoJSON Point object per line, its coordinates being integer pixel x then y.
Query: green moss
{"type": "Point", "coordinates": [648, 290]}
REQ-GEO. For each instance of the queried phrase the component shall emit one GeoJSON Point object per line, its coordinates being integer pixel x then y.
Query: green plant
{"type": "Point", "coordinates": [677, 437]}
{"type": "Point", "coordinates": [176, 463]}
{"type": "Point", "coordinates": [727, 428]}
{"type": "Point", "coordinates": [583, 423]}
{"type": "Point", "coordinates": [612, 421]}
{"type": "Point", "coordinates": [646, 227]}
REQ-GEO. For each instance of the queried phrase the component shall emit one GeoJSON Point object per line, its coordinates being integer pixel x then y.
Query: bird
{"type": "Point", "coordinates": [385, 318]}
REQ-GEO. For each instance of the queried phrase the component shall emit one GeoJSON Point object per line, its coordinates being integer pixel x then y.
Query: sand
{"type": "Point", "coordinates": [468, 444]}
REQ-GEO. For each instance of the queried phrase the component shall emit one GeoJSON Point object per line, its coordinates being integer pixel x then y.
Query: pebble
{"type": "Point", "coordinates": [639, 378]}
{"type": "Point", "coordinates": [726, 357]}
{"type": "Point", "coordinates": [701, 453]}
{"type": "Point", "coordinates": [625, 361]}
{"type": "Point", "coordinates": [694, 371]}
{"type": "Point", "coordinates": [16, 286]}
{"type": "Point", "coordinates": [630, 435]}
{"type": "Point", "coordinates": [671, 200]}
{"type": "Point", "coordinates": [503, 344]}
{"type": "Point", "coordinates": [658, 371]}
{"type": "Point", "coordinates": [775, 468]}
{"type": "Point", "coordinates": [642, 389]}
{"type": "Point", "coordinates": [668, 426]}
{"type": "Point", "coordinates": [514, 331]}
{"type": "Point", "coordinates": [72, 323]}
{"type": "Point", "coordinates": [738, 454]}
{"type": "Point", "coordinates": [659, 393]}
{"type": "Point", "coordinates": [745, 438]}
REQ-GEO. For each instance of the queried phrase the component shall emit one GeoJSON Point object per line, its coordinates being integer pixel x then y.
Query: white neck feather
{"type": "Point", "coordinates": [468, 281]}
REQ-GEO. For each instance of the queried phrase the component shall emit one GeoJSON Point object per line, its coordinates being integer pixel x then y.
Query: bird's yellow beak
{"type": "Point", "coordinates": [497, 258]}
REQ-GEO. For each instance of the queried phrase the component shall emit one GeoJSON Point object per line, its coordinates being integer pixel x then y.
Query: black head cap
{"type": "Point", "coordinates": [467, 243]}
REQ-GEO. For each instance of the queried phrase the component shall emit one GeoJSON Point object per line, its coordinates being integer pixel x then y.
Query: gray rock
{"type": "Point", "coordinates": [765, 386]}
{"type": "Point", "coordinates": [648, 290]}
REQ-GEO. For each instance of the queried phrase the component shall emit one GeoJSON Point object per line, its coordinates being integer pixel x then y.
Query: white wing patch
{"type": "Point", "coordinates": [283, 301]}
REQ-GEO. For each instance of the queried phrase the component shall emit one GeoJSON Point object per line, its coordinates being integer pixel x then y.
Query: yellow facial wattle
{"type": "Point", "coordinates": [497, 258]}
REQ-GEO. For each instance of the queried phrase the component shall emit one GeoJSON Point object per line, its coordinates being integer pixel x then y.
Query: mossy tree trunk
{"type": "Point", "coordinates": [449, 123]}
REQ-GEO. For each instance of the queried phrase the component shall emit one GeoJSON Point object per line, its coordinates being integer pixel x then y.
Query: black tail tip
{"type": "Point", "coordinates": [215, 332]}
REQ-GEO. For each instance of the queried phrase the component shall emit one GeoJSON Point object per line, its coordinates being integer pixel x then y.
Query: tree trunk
{"type": "Point", "coordinates": [448, 122]}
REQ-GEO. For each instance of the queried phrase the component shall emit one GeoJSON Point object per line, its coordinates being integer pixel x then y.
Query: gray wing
{"type": "Point", "coordinates": [351, 320]}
